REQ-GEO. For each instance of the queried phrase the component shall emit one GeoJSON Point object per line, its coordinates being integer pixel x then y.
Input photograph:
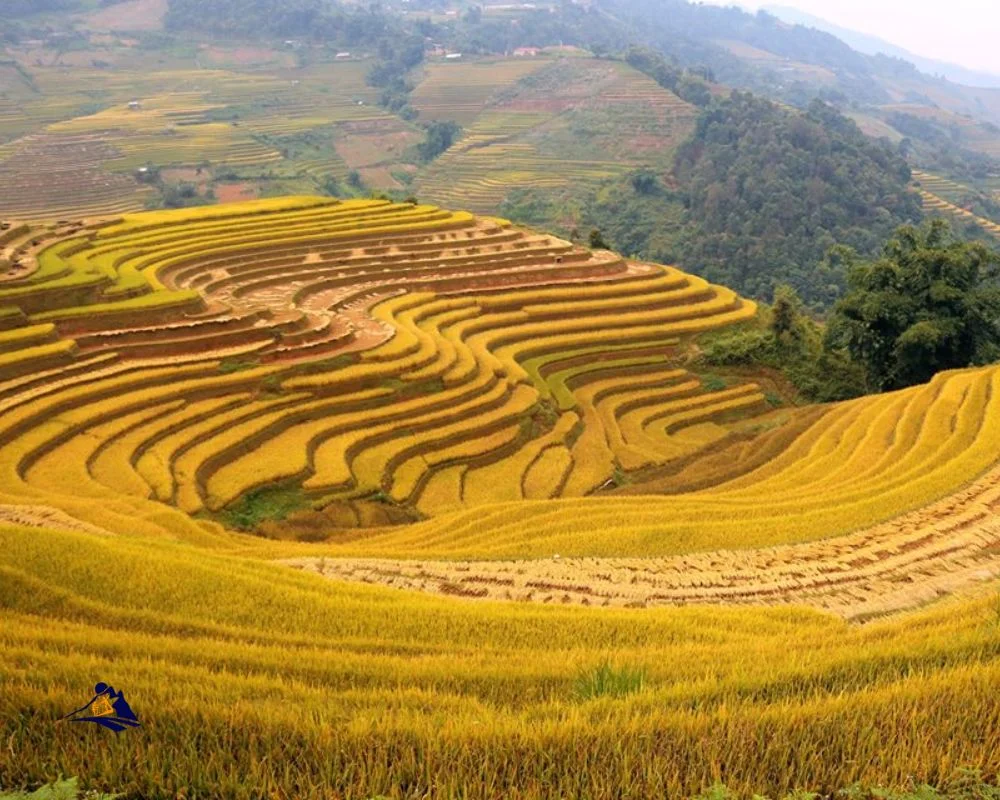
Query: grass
{"type": "Point", "coordinates": [265, 504]}
{"type": "Point", "coordinates": [965, 784]}
{"type": "Point", "coordinates": [230, 365]}
{"type": "Point", "coordinates": [58, 790]}
{"type": "Point", "coordinates": [608, 680]}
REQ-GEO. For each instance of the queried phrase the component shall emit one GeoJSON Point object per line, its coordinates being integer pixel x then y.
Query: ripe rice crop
{"type": "Point", "coordinates": [172, 371]}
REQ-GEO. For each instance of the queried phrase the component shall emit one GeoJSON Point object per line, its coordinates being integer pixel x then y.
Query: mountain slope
{"type": "Point", "coordinates": [873, 45]}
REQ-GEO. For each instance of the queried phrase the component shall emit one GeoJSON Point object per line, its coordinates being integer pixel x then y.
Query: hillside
{"type": "Point", "coordinates": [553, 137]}
{"type": "Point", "coordinates": [754, 197]}
{"type": "Point", "coordinates": [414, 400]}
{"type": "Point", "coordinates": [569, 124]}
{"type": "Point", "coordinates": [873, 45]}
{"type": "Point", "coordinates": [364, 381]}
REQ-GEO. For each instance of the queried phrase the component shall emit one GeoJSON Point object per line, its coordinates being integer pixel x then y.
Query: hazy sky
{"type": "Point", "coordinates": [965, 32]}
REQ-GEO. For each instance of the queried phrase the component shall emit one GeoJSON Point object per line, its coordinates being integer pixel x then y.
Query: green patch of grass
{"type": "Point", "coordinates": [619, 478]}
{"type": "Point", "coordinates": [607, 680]}
{"type": "Point", "coordinates": [774, 399]}
{"type": "Point", "coordinates": [714, 383]}
{"type": "Point", "coordinates": [413, 388]}
{"type": "Point", "coordinates": [323, 365]}
{"type": "Point", "coordinates": [230, 365]}
{"type": "Point", "coordinates": [267, 503]}
{"type": "Point", "coordinates": [59, 790]}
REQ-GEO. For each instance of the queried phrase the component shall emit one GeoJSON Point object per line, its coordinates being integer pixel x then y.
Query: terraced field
{"type": "Point", "coordinates": [947, 547]}
{"type": "Point", "coordinates": [937, 205]}
{"type": "Point", "coordinates": [62, 159]}
{"type": "Point", "coordinates": [528, 136]}
{"type": "Point", "coordinates": [942, 187]}
{"type": "Point", "coordinates": [451, 404]}
{"type": "Point", "coordinates": [452, 363]}
{"type": "Point", "coordinates": [459, 91]}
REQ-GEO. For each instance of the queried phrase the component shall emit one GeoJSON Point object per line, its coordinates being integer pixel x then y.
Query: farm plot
{"type": "Point", "coordinates": [396, 362]}
{"type": "Point", "coordinates": [75, 138]}
{"type": "Point", "coordinates": [458, 92]}
{"type": "Point", "coordinates": [857, 464]}
{"type": "Point", "coordinates": [559, 128]}
{"type": "Point", "coordinates": [950, 546]}
{"type": "Point", "coordinates": [458, 333]}
{"type": "Point", "coordinates": [936, 205]}
{"type": "Point", "coordinates": [474, 365]}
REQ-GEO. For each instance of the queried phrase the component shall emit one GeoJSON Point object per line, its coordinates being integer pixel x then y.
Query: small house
{"type": "Point", "coordinates": [134, 105]}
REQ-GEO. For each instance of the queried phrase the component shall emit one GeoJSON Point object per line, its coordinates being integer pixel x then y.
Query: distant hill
{"type": "Point", "coordinates": [568, 126]}
{"type": "Point", "coordinates": [793, 63]}
{"type": "Point", "coordinates": [873, 45]}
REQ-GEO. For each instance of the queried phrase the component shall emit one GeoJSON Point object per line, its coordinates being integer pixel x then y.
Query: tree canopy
{"type": "Point", "coordinates": [441, 134]}
{"type": "Point", "coordinates": [770, 191]}
{"type": "Point", "coordinates": [929, 303]}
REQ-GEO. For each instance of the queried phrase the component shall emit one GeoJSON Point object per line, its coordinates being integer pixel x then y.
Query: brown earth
{"type": "Point", "coordinates": [379, 178]}
{"type": "Point", "coordinates": [235, 192]}
{"type": "Point", "coordinates": [367, 149]}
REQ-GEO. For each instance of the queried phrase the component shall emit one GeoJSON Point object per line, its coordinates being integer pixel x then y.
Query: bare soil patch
{"type": "Point", "coordinates": [371, 149]}
{"type": "Point", "coordinates": [236, 192]}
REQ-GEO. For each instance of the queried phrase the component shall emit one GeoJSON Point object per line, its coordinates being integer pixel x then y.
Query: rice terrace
{"type": "Point", "coordinates": [452, 401]}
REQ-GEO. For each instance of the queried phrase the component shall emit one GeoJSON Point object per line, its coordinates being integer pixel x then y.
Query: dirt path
{"type": "Point", "coordinates": [939, 550]}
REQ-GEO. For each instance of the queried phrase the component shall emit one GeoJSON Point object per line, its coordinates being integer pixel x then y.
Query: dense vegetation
{"type": "Point", "coordinates": [930, 303]}
{"type": "Point", "coordinates": [758, 197]}
{"type": "Point", "coordinates": [786, 339]}
{"type": "Point", "coordinates": [441, 134]}
{"type": "Point", "coordinates": [769, 192]}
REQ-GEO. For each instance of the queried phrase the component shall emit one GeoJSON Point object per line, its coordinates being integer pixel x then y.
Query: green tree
{"type": "Point", "coordinates": [786, 313]}
{"type": "Point", "coordinates": [597, 241]}
{"type": "Point", "coordinates": [441, 134]}
{"type": "Point", "coordinates": [930, 303]}
{"type": "Point", "coordinates": [645, 181]}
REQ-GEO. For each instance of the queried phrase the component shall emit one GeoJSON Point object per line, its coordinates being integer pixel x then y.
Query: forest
{"type": "Point", "coordinates": [769, 192]}
{"type": "Point", "coordinates": [732, 207]}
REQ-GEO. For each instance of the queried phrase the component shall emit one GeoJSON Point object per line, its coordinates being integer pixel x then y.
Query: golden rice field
{"type": "Point", "coordinates": [513, 479]}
